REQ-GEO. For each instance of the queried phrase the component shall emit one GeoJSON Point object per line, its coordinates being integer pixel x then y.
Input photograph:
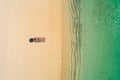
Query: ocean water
{"type": "Point", "coordinates": [92, 28]}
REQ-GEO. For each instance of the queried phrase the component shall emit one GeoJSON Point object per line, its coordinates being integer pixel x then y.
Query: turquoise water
{"type": "Point", "coordinates": [93, 28]}
{"type": "Point", "coordinates": [100, 40]}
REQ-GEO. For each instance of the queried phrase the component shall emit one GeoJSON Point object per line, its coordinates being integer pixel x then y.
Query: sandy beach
{"type": "Point", "coordinates": [23, 19]}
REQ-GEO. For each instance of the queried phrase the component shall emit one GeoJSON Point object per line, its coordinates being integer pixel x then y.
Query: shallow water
{"type": "Point", "coordinates": [93, 45]}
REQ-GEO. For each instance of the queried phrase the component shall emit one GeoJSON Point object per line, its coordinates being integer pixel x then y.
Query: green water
{"type": "Point", "coordinates": [93, 43]}
{"type": "Point", "coordinates": [100, 40]}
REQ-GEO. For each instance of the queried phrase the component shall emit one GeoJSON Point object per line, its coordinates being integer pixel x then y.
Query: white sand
{"type": "Point", "coordinates": [20, 20]}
